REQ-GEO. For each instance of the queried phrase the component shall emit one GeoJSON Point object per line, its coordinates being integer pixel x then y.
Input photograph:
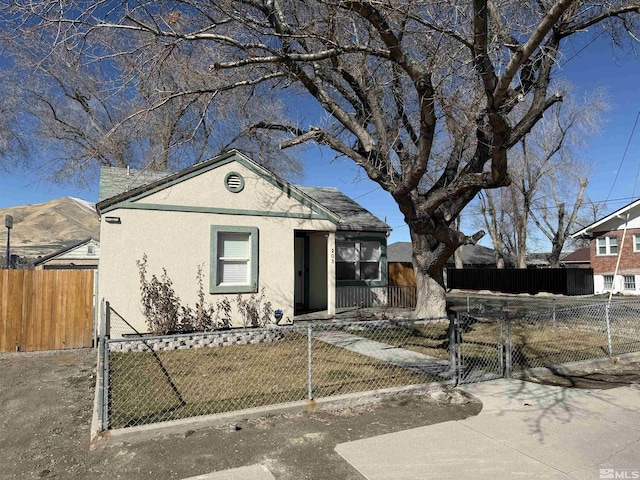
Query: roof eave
{"type": "Point", "coordinates": [586, 231]}
{"type": "Point", "coordinates": [109, 203]}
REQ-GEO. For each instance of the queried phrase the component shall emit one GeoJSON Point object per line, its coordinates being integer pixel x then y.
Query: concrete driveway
{"type": "Point", "coordinates": [525, 430]}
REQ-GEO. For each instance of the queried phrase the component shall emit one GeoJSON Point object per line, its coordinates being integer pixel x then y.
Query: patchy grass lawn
{"type": "Point", "coordinates": [533, 345]}
{"type": "Point", "coordinates": [152, 387]}
{"type": "Point", "coordinates": [148, 387]}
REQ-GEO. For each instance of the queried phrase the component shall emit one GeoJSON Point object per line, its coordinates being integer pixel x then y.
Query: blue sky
{"type": "Point", "coordinates": [595, 67]}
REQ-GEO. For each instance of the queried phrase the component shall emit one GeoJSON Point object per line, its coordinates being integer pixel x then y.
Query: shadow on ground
{"type": "Point", "coordinates": [45, 413]}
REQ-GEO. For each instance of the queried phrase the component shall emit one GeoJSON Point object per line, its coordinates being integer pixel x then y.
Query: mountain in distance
{"type": "Point", "coordinates": [42, 228]}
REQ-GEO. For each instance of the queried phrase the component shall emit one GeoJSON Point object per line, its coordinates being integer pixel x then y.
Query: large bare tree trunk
{"type": "Point", "coordinates": [431, 295]}
{"type": "Point", "coordinates": [429, 258]}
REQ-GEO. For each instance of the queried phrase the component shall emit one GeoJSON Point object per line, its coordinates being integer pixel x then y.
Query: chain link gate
{"type": "Point", "coordinates": [482, 348]}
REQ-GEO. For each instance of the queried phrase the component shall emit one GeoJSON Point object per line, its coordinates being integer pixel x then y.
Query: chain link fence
{"type": "Point", "coordinates": [492, 343]}
{"type": "Point", "coordinates": [154, 379]}
{"type": "Point", "coordinates": [144, 379]}
{"type": "Point", "coordinates": [574, 334]}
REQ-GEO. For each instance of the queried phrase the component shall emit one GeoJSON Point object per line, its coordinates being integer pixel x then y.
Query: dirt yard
{"type": "Point", "coordinates": [46, 403]}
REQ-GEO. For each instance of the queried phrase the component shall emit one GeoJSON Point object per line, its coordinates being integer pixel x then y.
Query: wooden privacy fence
{"type": "Point", "coordinates": [45, 309]}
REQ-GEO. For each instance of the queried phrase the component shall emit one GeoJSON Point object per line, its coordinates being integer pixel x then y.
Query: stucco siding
{"type": "Point", "coordinates": [208, 190]}
{"type": "Point", "coordinates": [180, 241]}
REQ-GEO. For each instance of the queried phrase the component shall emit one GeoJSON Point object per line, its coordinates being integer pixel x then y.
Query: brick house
{"type": "Point", "coordinates": [614, 250]}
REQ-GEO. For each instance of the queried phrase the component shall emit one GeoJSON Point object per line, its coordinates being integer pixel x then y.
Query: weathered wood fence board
{"type": "Point", "coordinates": [45, 309]}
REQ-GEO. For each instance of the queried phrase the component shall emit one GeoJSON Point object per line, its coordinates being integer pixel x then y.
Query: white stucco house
{"type": "Point", "coordinates": [249, 231]}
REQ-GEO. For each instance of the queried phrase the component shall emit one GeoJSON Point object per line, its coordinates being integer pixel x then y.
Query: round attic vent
{"type": "Point", "coordinates": [234, 182]}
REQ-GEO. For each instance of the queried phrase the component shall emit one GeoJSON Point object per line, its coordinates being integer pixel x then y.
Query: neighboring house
{"type": "Point", "coordinates": [581, 258]}
{"type": "Point", "coordinates": [247, 229]}
{"type": "Point", "coordinates": [538, 260]}
{"type": "Point", "coordinates": [401, 267]}
{"type": "Point", "coordinates": [84, 254]}
{"type": "Point", "coordinates": [614, 250]}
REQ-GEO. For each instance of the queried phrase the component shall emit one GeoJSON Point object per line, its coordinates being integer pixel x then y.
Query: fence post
{"type": "Point", "coordinates": [101, 382]}
{"type": "Point", "coordinates": [468, 311]}
{"type": "Point", "coordinates": [107, 320]}
{"type": "Point", "coordinates": [452, 343]}
{"type": "Point", "coordinates": [507, 366]}
{"type": "Point", "coordinates": [553, 303]}
{"type": "Point", "coordinates": [105, 391]}
{"type": "Point", "coordinates": [458, 343]}
{"type": "Point", "coordinates": [310, 361]}
{"type": "Point", "coordinates": [501, 342]}
{"type": "Point", "coordinates": [608, 320]}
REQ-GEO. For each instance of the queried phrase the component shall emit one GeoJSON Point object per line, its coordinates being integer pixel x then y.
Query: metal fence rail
{"type": "Point", "coordinates": [491, 344]}
{"type": "Point", "coordinates": [574, 334]}
{"type": "Point", "coordinates": [147, 379]}
{"type": "Point", "coordinates": [155, 379]}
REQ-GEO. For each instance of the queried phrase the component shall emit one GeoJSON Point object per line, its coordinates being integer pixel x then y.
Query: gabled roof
{"type": "Point", "coordinates": [124, 186]}
{"type": "Point", "coordinates": [353, 216]}
{"type": "Point", "coordinates": [582, 255]}
{"type": "Point", "coordinates": [64, 250]}
{"type": "Point", "coordinates": [114, 180]}
{"type": "Point", "coordinates": [591, 228]}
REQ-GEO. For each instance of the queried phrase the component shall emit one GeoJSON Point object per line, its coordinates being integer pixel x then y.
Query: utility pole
{"type": "Point", "coordinates": [8, 222]}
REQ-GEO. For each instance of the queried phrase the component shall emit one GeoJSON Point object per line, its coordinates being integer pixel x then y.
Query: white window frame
{"type": "Point", "coordinates": [605, 241]}
{"type": "Point", "coordinates": [605, 282]}
{"type": "Point", "coordinates": [636, 243]}
{"type": "Point", "coordinates": [629, 282]}
{"type": "Point", "coordinates": [215, 285]}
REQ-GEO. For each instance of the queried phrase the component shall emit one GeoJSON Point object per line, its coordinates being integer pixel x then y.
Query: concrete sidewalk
{"type": "Point", "coordinates": [418, 362]}
{"type": "Point", "coordinates": [525, 430]}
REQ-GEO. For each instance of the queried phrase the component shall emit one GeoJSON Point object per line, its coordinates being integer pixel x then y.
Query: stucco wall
{"type": "Point", "coordinates": [179, 241]}
{"type": "Point", "coordinates": [208, 190]}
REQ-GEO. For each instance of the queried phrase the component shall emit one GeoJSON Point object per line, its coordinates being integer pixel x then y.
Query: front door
{"type": "Point", "coordinates": [300, 272]}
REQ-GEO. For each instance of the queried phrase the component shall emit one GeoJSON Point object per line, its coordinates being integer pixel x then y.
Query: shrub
{"type": "Point", "coordinates": [160, 304]}
{"type": "Point", "coordinates": [165, 314]}
{"type": "Point", "coordinates": [256, 310]}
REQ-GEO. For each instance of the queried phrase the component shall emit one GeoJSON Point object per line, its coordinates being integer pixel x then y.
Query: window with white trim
{"type": "Point", "coordinates": [358, 260]}
{"type": "Point", "coordinates": [636, 243]}
{"type": "Point", "coordinates": [629, 282]}
{"type": "Point", "coordinates": [234, 260]}
{"type": "Point", "coordinates": [607, 246]}
{"type": "Point", "coordinates": [608, 282]}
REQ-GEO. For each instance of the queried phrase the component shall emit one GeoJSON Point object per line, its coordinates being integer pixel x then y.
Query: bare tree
{"type": "Point", "coordinates": [12, 146]}
{"type": "Point", "coordinates": [422, 95]}
{"type": "Point", "coordinates": [493, 208]}
{"type": "Point", "coordinates": [545, 178]}
{"type": "Point", "coordinates": [102, 106]}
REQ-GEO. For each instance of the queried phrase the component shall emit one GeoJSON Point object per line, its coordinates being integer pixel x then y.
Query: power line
{"type": "Point", "coordinates": [366, 193]}
{"type": "Point", "coordinates": [623, 157]}
{"type": "Point", "coordinates": [594, 202]}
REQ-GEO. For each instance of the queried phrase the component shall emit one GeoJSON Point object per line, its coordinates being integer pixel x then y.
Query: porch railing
{"type": "Point", "coordinates": [366, 297]}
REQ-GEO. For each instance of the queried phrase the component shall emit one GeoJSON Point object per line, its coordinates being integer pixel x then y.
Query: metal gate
{"type": "Point", "coordinates": [482, 349]}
